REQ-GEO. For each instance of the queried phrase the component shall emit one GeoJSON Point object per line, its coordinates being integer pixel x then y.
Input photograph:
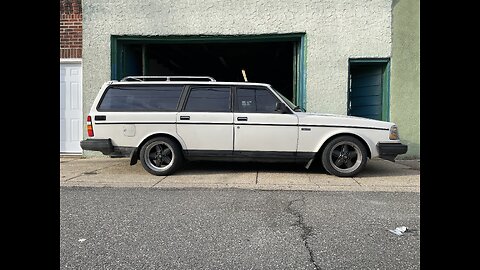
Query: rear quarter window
{"type": "Point", "coordinates": [130, 98]}
{"type": "Point", "coordinates": [209, 99]}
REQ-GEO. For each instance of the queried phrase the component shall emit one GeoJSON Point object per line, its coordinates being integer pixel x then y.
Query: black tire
{"type": "Point", "coordinates": [344, 156]}
{"type": "Point", "coordinates": [161, 156]}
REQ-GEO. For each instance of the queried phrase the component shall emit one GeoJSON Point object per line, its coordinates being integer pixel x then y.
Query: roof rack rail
{"type": "Point", "coordinates": [166, 78]}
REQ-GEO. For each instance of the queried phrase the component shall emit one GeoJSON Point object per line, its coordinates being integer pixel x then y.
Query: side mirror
{"type": "Point", "coordinates": [281, 108]}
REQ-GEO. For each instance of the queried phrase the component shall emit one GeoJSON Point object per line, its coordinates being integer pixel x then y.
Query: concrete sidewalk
{"type": "Point", "coordinates": [378, 175]}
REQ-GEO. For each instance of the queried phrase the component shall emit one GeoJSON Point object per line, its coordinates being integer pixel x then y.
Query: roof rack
{"type": "Point", "coordinates": [167, 78]}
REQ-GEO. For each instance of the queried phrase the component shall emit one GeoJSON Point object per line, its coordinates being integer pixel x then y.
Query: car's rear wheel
{"type": "Point", "coordinates": [161, 156]}
{"type": "Point", "coordinates": [344, 156]}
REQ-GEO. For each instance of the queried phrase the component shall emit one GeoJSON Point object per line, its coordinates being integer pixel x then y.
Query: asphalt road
{"type": "Point", "coordinates": [140, 228]}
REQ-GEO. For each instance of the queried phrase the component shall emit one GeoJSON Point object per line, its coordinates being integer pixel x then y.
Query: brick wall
{"type": "Point", "coordinates": [70, 29]}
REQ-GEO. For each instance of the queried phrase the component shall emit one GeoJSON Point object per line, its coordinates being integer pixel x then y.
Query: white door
{"type": "Point", "coordinates": [206, 122]}
{"type": "Point", "coordinates": [262, 132]}
{"type": "Point", "coordinates": [259, 129]}
{"type": "Point", "coordinates": [70, 108]}
{"type": "Point", "coordinates": [206, 131]}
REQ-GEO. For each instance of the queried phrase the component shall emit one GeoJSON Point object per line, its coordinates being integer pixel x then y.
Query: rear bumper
{"type": "Point", "coordinates": [390, 151]}
{"type": "Point", "coordinates": [103, 145]}
{"type": "Point", "coordinates": [106, 147]}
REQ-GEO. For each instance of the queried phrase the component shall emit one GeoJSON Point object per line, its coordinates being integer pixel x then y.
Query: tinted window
{"type": "Point", "coordinates": [255, 100]}
{"type": "Point", "coordinates": [208, 99]}
{"type": "Point", "coordinates": [141, 98]}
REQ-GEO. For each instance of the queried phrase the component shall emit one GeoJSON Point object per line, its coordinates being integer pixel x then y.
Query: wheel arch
{"type": "Point", "coordinates": [336, 135]}
{"type": "Point", "coordinates": [135, 156]}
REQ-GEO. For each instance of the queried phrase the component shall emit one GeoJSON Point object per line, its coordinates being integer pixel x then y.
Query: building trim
{"type": "Point", "coordinates": [70, 60]}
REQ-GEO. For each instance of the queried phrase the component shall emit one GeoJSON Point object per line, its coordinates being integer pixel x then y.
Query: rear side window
{"type": "Point", "coordinates": [128, 98]}
{"type": "Point", "coordinates": [255, 100]}
{"type": "Point", "coordinates": [209, 99]}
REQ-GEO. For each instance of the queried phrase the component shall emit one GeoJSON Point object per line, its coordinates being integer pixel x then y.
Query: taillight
{"type": "Point", "coordinates": [89, 126]}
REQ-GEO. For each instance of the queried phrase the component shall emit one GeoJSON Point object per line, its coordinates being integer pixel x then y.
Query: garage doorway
{"type": "Point", "coordinates": [71, 107]}
{"type": "Point", "coordinates": [274, 59]}
{"type": "Point", "coordinates": [368, 91]}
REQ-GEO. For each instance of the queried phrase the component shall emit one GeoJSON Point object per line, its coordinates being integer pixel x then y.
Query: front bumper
{"type": "Point", "coordinates": [390, 151]}
{"type": "Point", "coordinates": [103, 145]}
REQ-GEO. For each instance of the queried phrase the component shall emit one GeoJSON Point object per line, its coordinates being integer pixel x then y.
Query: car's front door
{"type": "Point", "coordinates": [205, 122]}
{"type": "Point", "coordinates": [260, 131]}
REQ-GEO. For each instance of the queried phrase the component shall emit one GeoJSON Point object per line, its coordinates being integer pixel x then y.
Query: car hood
{"type": "Point", "coordinates": [305, 118]}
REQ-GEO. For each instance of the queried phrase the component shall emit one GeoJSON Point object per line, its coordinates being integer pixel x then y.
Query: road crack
{"type": "Point", "coordinates": [307, 231]}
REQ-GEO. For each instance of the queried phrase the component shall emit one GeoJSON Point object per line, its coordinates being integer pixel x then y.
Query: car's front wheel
{"type": "Point", "coordinates": [344, 156]}
{"type": "Point", "coordinates": [161, 156]}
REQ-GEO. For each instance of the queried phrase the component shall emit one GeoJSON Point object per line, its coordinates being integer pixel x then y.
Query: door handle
{"type": "Point", "coordinates": [100, 117]}
{"type": "Point", "coordinates": [242, 118]}
{"type": "Point", "coordinates": [185, 117]}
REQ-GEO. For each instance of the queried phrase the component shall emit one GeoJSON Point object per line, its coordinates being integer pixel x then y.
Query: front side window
{"type": "Point", "coordinates": [208, 99]}
{"type": "Point", "coordinates": [255, 100]}
{"type": "Point", "coordinates": [130, 98]}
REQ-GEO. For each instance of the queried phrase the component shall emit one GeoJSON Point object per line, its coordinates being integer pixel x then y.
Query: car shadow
{"type": "Point", "coordinates": [384, 168]}
{"type": "Point", "coordinates": [213, 167]}
{"type": "Point", "coordinates": [374, 168]}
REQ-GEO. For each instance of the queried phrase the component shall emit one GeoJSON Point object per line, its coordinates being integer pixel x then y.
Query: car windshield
{"type": "Point", "coordinates": [289, 103]}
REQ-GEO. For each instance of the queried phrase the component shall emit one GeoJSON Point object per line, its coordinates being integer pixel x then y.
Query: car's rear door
{"type": "Point", "coordinates": [260, 131]}
{"type": "Point", "coordinates": [205, 122]}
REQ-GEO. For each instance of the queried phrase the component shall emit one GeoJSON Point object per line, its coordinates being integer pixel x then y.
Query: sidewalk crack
{"type": "Point", "coordinates": [76, 176]}
{"type": "Point", "coordinates": [89, 172]}
{"type": "Point", "coordinates": [356, 181]}
{"type": "Point", "coordinates": [159, 181]}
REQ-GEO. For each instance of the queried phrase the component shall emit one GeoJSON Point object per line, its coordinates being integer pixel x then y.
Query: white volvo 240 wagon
{"type": "Point", "coordinates": [164, 120]}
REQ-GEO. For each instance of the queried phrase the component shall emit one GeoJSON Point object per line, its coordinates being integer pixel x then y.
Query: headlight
{"type": "Point", "coordinates": [394, 133]}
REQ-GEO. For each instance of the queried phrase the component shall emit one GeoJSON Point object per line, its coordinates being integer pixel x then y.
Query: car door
{"type": "Point", "coordinates": [260, 131]}
{"type": "Point", "coordinates": [205, 122]}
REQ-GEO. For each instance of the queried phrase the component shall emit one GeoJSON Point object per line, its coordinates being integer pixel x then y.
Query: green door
{"type": "Point", "coordinates": [368, 91]}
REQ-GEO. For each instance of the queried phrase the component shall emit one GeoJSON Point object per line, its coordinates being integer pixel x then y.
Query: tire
{"type": "Point", "coordinates": [344, 156]}
{"type": "Point", "coordinates": [161, 156]}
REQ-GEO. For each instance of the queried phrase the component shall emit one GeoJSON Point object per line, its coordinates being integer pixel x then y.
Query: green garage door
{"type": "Point", "coordinates": [368, 91]}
